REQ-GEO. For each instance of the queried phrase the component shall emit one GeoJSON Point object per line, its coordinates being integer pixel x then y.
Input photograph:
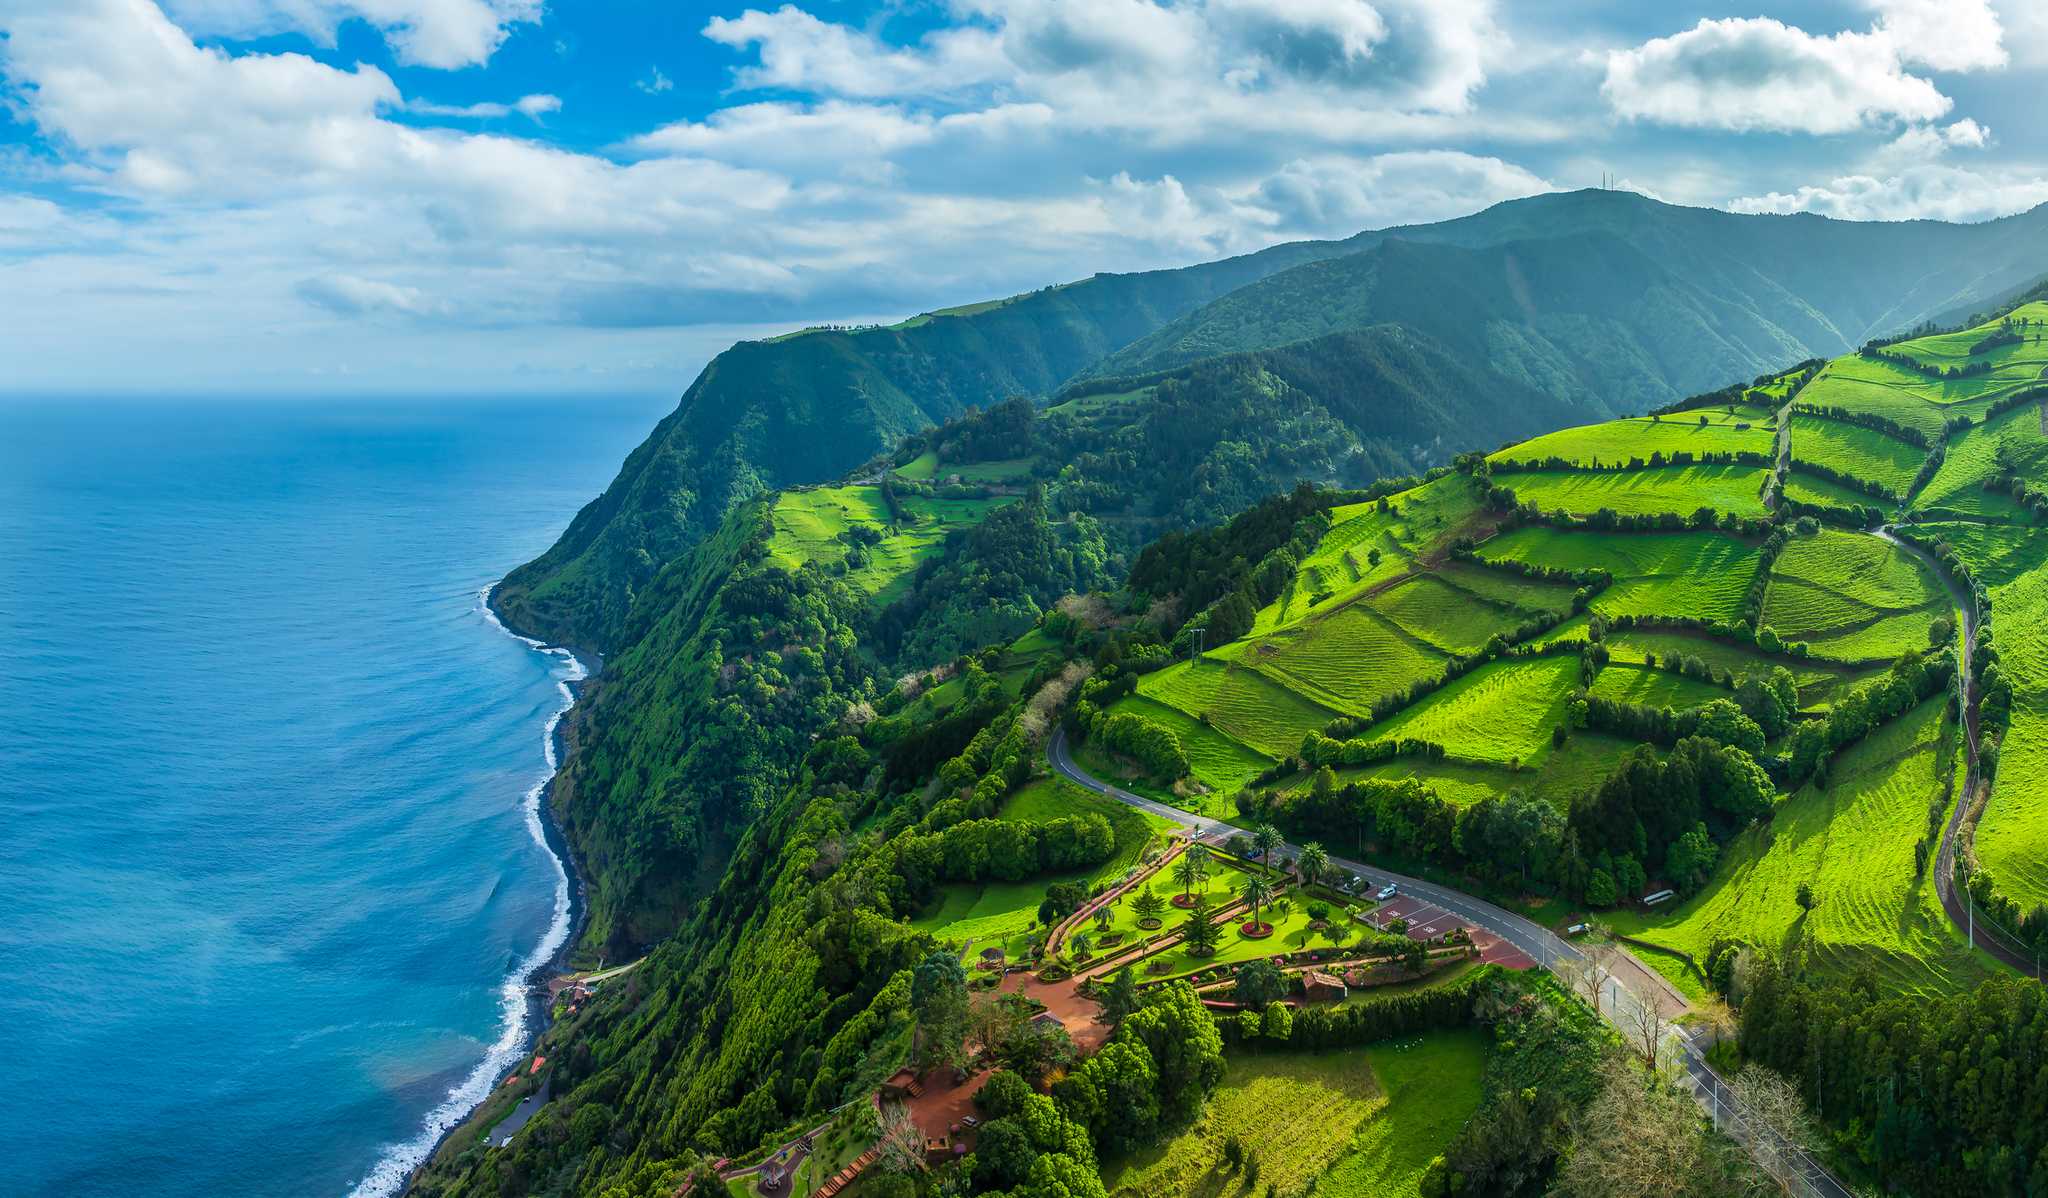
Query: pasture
{"type": "Point", "coordinates": [2012, 837]}
{"type": "Point", "coordinates": [1702, 574]}
{"type": "Point", "coordinates": [1852, 597]}
{"type": "Point", "coordinates": [1358, 1123]}
{"type": "Point", "coordinates": [1436, 613]}
{"type": "Point", "coordinates": [1346, 659]}
{"type": "Point", "coordinates": [1852, 841]}
{"type": "Point", "coordinates": [1636, 438]}
{"type": "Point", "coordinates": [1649, 492]}
{"type": "Point", "coordinates": [1501, 712]}
{"type": "Point", "coordinates": [2007, 444]}
{"type": "Point", "coordinates": [811, 526]}
{"type": "Point", "coordinates": [1239, 702]}
{"type": "Point", "coordinates": [1856, 451]}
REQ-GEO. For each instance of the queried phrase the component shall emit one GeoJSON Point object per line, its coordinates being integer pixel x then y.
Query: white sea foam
{"type": "Point", "coordinates": [388, 1175]}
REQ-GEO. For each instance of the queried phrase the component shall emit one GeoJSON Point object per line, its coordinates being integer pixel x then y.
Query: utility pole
{"type": "Point", "coordinates": [1200, 633]}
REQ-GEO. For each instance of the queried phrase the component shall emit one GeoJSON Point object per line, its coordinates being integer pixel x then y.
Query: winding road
{"type": "Point", "coordinates": [1620, 1001]}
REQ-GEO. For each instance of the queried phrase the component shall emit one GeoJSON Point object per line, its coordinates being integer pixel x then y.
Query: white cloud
{"type": "Point", "coordinates": [1761, 74]}
{"type": "Point", "coordinates": [1340, 196]}
{"type": "Point", "coordinates": [347, 295]}
{"type": "Point", "coordinates": [1943, 35]}
{"type": "Point", "coordinates": [1935, 192]}
{"type": "Point", "coordinates": [792, 134]}
{"type": "Point", "coordinates": [533, 107]}
{"type": "Point", "coordinates": [429, 33]}
{"type": "Point", "coordinates": [2026, 31]}
{"type": "Point", "coordinates": [656, 83]}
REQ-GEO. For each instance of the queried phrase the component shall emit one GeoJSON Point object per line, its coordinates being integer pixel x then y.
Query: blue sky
{"type": "Point", "coordinates": [483, 196]}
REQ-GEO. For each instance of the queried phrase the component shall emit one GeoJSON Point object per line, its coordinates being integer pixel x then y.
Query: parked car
{"type": "Point", "coordinates": [1388, 891]}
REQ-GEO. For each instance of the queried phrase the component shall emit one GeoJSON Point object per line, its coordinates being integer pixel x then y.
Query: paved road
{"type": "Point", "coordinates": [1618, 1002]}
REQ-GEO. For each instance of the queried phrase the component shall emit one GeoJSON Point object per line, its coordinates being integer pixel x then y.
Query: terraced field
{"type": "Point", "coordinates": [1239, 702]}
{"type": "Point", "coordinates": [1341, 567]}
{"type": "Point", "coordinates": [1649, 492]}
{"type": "Point", "coordinates": [1820, 492]}
{"type": "Point", "coordinates": [1655, 688]}
{"type": "Point", "coordinates": [1853, 843]}
{"type": "Point", "coordinates": [2012, 837]}
{"type": "Point", "coordinates": [1859, 452]}
{"type": "Point", "coordinates": [1703, 574]}
{"type": "Point", "coordinates": [1346, 659]}
{"type": "Point", "coordinates": [1499, 713]}
{"type": "Point", "coordinates": [1436, 613]}
{"type": "Point", "coordinates": [1635, 439]}
{"type": "Point", "coordinates": [1853, 597]}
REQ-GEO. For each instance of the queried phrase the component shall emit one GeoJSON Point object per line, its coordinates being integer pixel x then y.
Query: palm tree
{"type": "Point", "coordinates": [1258, 892]}
{"type": "Point", "coordinates": [1265, 838]}
{"type": "Point", "coordinates": [1192, 869]}
{"type": "Point", "coordinates": [1102, 917]}
{"type": "Point", "coordinates": [1312, 863]}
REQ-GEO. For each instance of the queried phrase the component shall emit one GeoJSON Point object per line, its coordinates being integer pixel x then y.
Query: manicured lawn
{"type": "Point", "coordinates": [1680, 489]}
{"type": "Point", "coordinates": [1853, 842]}
{"type": "Point", "coordinates": [1703, 574]}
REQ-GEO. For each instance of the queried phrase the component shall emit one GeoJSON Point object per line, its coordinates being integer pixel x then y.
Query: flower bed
{"type": "Point", "coordinates": [1255, 931]}
{"type": "Point", "coordinates": [1151, 923]}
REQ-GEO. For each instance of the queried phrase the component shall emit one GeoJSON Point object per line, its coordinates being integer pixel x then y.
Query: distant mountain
{"type": "Point", "coordinates": [1553, 309]}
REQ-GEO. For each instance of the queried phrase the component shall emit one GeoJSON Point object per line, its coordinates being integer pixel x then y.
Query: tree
{"type": "Point", "coordinates": [1103, 918]}
{"type": "Point", "coordinates": [1600, 889]}
{"type": "Point", "coordinates": [1312, 864]}
{"type": "Point", "coordinates": [1804, 896]}
{"type": "Point", "coordinates": [1266, 838]}
{"type": "Point", "coordinates": [1120, 995]}
{"type": "Point", "coordinates": [901, 1144]}
{"type": "Point", "coordinates": [1278, 1023]}
{"type": "Point", "coordinates": [1259, 982]}
{"type": "Point", "coordinates": [938, 998]}
{"type": "Point", "coordinates": [1641, 1138]}
{"type": "Point", "coordinates": [1147, 904]}
{"type": "Point", "coordinates": [1257, 892]}
{"type": "Point", "coordinates": [1192, 869]}
{"type": "Point", "coordinates": [1188, 1050]}
{"type": "Point", "coordinates": [1198, 934]}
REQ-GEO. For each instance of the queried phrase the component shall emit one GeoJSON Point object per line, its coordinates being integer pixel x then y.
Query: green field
{"type": "Point", "coordinates": [1853, 842]}
{"type": "Point", "coordinates": [1501, 712]}
{"type": "Point", "coordinates": [1345, 659]}
{"type": "Point", "coordinates": [1416, 522]}
{"type": "Point", "coordinates": [1001, 913]}
{"type": "Point", "coordinates": [1852, 596]}
{"type": "Point", "coordinates": [1679, 489]}
{"type": "Point", "coordinates": [1583, 760]}
{"type": "Point", "coordinates": [1636, 438]}
{"type": "Point", "coordinates": [1361, 1123]}
{"type": "Point", "coordinates": [2011, 441]}
{"type": "Point", "coordinates": [1217, 762]}
{"type": "Point", "coordinates": [1512, 590]}
{"type": "Point", "coordinates": [1703, 574]}
{"type": "Point", "coordinates": [2012, 837]}
{"type": "Point", "coordinates": [1856, 451]}
{"type": "Point", "coordinates": [1820, 492]}
{"type": "Point", "coordinates": [1655, 688]}
{"type": "Point", "coordinates": [1453, 620]}
{"type": "Point", "coordinates": [1240, 703]}
{"type": "Point", "coordinates": [808, 527]}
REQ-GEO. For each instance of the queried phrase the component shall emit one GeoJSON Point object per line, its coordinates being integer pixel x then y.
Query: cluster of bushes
{"type": "Point", "coordinates": [1317, 751]}
{"type": "Point", "coordinates": [2004, 404]}
{"type": "Point", "coordinates": [1438, 1008]}
{"type": "Point", "coordinates": [1151, 746]}
{"type": "Point", "coordinates": [1736, 393]}
{"type": "Point", "coordinates": [1608, 520]}
{"type": "Point", "coordinates": [1813, 743]}
{"type": "Point", "coordinates": [1720, 720]}
{"type": "Point", "coordinates": [1843, 478]}
{"type": "Point", "coordinates": [1930, 466]}
{"type": "Point", "coordinates": [1463, 550]}
{"type": "Point", "coordinates": [1682, 457]}
{"type": "Point", "coordinates": [1497, 647]}
{"type": "Point", "coordinates": [1870, 420]}
{"type": "Point", "coordinates": [2009, 333]}
{"type": "Point", "coordinates": [1001, 850]}
{"type": "Point", "coordinates": [1859, 516]}
{"type": "Point", "coordinates": [1211, 570]}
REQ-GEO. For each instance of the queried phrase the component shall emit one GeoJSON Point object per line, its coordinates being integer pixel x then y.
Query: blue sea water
{"type": "Point", "coordinates": [267, 856]}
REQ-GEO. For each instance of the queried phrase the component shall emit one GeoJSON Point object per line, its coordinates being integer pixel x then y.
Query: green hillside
{"type": "Point", "coordinates": [1527, 317]}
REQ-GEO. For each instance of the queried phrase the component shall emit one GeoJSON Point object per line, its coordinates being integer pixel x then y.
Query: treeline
{"type": "Point", "coordinates": [1669, 813]}
{"type": "Point", "coordinates": [1657, 458]}
{"type": "Point", "coordinates": [1929, 369]}
{"type": "Point", "coordinates": [1001, 850]}
{"type": "Point", "coordinates": [1736, 393]}
{"type": "Point", "coordinates": [1606, 519]}
{"type": "Point", "coordinates": [1936, 1094]}
{"type": "Point", "coordinates": [1218, 573]}
{"type": "Point", "coordinates": [1155, 748]}
{"type": "Point", "coordinates": [1870, 420]}
{"type": "Point", "coordinates": [1910, 681]}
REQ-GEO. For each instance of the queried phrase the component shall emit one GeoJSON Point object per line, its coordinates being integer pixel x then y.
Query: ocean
{"type": "Point", "coordinates": [269, 850]}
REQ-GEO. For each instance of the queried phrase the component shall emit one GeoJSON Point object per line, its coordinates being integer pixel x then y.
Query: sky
{"type": "Point", "coordinates": [316, 197]}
